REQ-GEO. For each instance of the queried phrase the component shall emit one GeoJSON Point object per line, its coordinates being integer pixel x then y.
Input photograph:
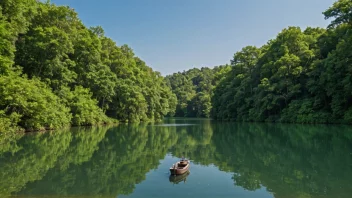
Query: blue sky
{"type": "Point", "coordinates": [176, 35]}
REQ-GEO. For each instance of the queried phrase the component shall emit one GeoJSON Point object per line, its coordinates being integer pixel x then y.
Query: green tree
{"type": "Point", "coordinates": [31, 104]}
{"type": "Point", "coordinates": [194, 90]}
{"type": "Point", "coordinates": [341, 11]}
{"type": "Point", "coordinates": [15, 16]}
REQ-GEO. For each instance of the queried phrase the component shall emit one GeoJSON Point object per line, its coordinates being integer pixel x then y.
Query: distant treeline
{"type": "Point", "coordinates": [299, 77]}
{"type": "Point", "coordinates": [56, 72]}
{"type": "Point", "coordinates": [194, 90]}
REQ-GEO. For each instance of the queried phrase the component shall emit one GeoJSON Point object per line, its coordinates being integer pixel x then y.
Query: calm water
{"type": "Point", "coordinates": [228, 160]}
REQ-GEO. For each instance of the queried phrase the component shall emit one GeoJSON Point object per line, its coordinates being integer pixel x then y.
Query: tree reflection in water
{"type": "Point", "coordinates": [289, 160]}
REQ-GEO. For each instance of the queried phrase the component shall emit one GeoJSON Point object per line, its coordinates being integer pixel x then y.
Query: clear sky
{"type": "Point", "coordinates": [176, 35]}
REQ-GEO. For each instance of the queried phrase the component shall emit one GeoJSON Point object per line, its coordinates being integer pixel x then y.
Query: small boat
{"type": "Point", "coordinates": [180, 167]}
{"type": "Point", "coordinates": [179, 178]}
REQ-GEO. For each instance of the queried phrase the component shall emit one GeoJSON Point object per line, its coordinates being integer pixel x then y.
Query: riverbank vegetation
{"type": "Point", "coordinates": [301, 76]}
{"type": "Point", "coordinates": [56, 72]}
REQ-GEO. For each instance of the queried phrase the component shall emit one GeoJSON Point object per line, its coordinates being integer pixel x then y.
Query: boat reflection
{"type": "Point", "coordinates": [176, 179]}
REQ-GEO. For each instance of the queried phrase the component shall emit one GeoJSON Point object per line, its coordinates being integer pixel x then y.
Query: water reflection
{"type": "Point", "coordinates": [176, 179]}
{"type": "Point", "coordinates": [288, 160]}
{"type": "Point", "coordinates": [173, 125]}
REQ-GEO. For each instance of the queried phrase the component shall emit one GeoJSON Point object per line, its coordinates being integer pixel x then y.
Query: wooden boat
{"type": "Point", "coordinates": [179, 178]}
{"type": "Point", "coordinates": [180, 167]}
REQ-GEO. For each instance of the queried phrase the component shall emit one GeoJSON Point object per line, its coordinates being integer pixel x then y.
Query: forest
{"type": "Point", "coordinates": [56, 72]}
{"type": "Point", "coordinates": [301, 76]}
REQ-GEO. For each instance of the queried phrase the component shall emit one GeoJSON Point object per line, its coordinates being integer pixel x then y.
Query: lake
{"type": "Point", "coordinates": [227, 160]}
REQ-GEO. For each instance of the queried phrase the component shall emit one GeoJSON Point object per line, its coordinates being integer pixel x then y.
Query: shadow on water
{"type": "Point", "coordinates": [176, 179]}
{"type": "Point", "coordinates": [288, 160]}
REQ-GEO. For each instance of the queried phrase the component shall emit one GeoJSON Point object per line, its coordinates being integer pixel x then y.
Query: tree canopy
{"type": "Point", "coordinates": [60, 73]}
{"type": "Point", "coordinates": [301, 76]}
{"type": "Point", "coordinates": [55, 72]}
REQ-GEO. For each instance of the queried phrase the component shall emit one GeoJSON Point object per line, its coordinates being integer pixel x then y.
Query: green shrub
{"type": "Point", "coordinates": [84, 108]}
{"type": "Point", "coordinates": [30, 104]}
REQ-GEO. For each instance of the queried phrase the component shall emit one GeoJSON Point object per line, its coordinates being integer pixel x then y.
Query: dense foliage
{"type": "Point", "coordinates": [301, 76]}
{"type": "Point", "coordinates": [26, 103]}
{"type": "Point", "coordinates": [55, 72]}
{"type": "Point", "coordinates": [194, 90]}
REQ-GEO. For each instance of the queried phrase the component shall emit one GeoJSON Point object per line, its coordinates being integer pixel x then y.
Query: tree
{"type": "Point", "coordinates": [341, 10]}
{"type": "Point", "coordinates": [15, 16]}
{"type": "Point", "coordinates": [31, 104]}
